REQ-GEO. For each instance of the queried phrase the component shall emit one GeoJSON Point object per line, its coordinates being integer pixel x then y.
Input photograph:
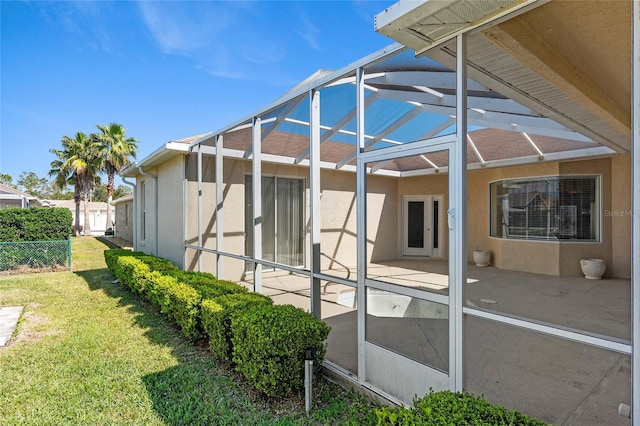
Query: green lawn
{"type": "Point", "coordinates": [87, 351]}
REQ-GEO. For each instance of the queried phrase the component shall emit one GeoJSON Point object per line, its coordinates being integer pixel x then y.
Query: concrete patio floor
{"type": "Point", "coordinates": [558, 381]}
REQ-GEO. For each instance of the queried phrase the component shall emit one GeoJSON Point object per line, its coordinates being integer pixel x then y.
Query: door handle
{"type": "Point", "coordinates": [451, 214]}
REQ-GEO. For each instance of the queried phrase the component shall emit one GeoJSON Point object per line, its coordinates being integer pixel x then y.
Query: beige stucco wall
{"type": "Point", "coordinates": [384, 209]}
{"type": "Point", "coordinates": [620, 215]}
{"type": "Point", "coordinates": [553, 257]}
{"type": "Point", "coordinates": [124, 220]}
{"type": "Point", "coordinates": [166, 237]}
{"type": "Point", "coordinates": [170, 204]}
{"type": "Point", "coordinates": [338, 215]}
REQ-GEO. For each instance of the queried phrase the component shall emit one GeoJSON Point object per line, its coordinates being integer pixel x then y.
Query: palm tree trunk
{"type": "Point", "coordinates": [87, 222]}
{"type": "Point", "coordinates": [110, 184]}
{"type": "Point", "coordinates": [76, 226]}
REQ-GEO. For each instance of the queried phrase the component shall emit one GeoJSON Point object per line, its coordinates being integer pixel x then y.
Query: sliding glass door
{"type": "Point", "coordinates": [282, 220]}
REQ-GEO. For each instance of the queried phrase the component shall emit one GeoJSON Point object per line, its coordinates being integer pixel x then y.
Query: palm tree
{"type": "Point", "coordinates": [117, 150]}
{"type": "Point", "coordinates": [77, 164]}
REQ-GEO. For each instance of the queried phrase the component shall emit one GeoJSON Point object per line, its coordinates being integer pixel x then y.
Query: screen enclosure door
{"type": "Point", "coordinates": [406, 342]}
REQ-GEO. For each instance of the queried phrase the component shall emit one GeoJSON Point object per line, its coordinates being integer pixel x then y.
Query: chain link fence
{"type": "Point", "coordinates": [35, 255]}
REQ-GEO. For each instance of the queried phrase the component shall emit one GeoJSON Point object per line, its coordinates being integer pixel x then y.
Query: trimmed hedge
{"type": "Point", "coordinates": [266, 342]}
{"type": "Point", "coordinates": [269, 344]}
{"type": "Point", "coordinates": [35, 224]}
{"type": "Point", "coordinates": [184, 306]}
{"type": "Point", "coordinates": [453, 408]}
{"type": "Point", "coordinates": [206, 284]}
{"type": "Point", "coordinates": [216, 319]}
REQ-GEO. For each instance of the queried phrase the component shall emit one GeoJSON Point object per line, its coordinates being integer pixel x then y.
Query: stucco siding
{"type": "Point", "coordinates": [124, 220]}
{"type": "Point", "coordinates": [170, 177]}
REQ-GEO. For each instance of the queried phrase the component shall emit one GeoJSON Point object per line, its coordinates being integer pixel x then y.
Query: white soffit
{"type": "Point", "coordinates": [421, 25]}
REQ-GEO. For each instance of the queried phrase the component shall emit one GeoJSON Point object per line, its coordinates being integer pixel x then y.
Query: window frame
{"type": "Point", "coordinates": [596, 215]}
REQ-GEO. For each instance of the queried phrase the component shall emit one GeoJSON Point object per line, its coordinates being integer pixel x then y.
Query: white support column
{"type": "Point", "coordinates": [256, 176]}
{"type": "Point", "coordinates": [458, 219]}
{"type": "Point", "coordinates": [314, 189]}
{"type": "Point", "coordinates": [199, 205]}
{"type": "Point", "coordinates": [635, 224]}
{"type": "Point", "coordinates": [361, 226]}
{"type": "Point", "coordinates": [219, 205]}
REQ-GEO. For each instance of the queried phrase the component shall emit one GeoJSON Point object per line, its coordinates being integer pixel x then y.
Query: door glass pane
{"type": "Point", "coordinates": [415, 225]}
{"type": "Point", "coordinates": [289, 234]}
{"type": "Point", "coordinates": [268, 219]}
{"type": "Point", "coordinates": [409, 326]}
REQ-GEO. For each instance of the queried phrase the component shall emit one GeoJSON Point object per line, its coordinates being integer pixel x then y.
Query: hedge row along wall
{"type": "Point", "coordinates": [266, 343]}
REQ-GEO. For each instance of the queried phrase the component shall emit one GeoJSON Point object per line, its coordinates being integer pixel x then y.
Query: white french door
{"type": "Point", "coordinates": [420, 225]}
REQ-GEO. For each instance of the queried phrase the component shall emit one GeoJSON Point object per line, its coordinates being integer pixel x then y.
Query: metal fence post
{"type": "Point", "coordinates": [69, 252]}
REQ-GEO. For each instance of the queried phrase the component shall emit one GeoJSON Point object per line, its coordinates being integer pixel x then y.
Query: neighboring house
{"type": "Point", "coordinates": [97, 214]}
{"type": "Point", "coordinates": [124, 217]}
{"type": "Point", "coordinates": [361, 195]}
{"type": "Point", "coordinates": [11, 197]}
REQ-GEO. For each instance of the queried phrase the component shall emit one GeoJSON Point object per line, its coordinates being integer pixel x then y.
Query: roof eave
{"type": "Point", "coordinates": [166, 152]}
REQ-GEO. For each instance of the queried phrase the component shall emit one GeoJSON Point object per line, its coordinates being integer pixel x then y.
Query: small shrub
{"type": "Point", "coordinates": [216, 319]}
{"type": "Point", "coordinates": [269, 344]}
{"type": "Point", "coordinates": [133, 273]}
{"type": "Point", "coordinates": [35, 224]}
{"type": "Point", "coordinates": [453, 408]}
{"type": "Point", "coordinates": [206, 284]}
{"type": "Point", "coordinates": [157, 290]}
{"type": "Point", "coordinates": [184, 306]}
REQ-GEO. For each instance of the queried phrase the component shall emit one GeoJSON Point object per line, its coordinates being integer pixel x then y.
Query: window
{"type": "Point", "coordinates": [283, 225]}
{"type": "Point", "coordinates": [552, 208]}
{"type": "Point", "coordinates": [143, 210]}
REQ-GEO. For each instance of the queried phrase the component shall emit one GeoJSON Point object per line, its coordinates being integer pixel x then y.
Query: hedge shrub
{"type": "Point", "coordinates": [269, 344]}
{"type": "Point", "coordinates": [266, 342]}
{"type": "Point", "coordinates": [216, 319]}
{"type": "Point", "coordinates": [35, 224]}
{"type": "Point", "coordinates": [184, 306]}
{"type": "Point", "coordinates": [453, 408]}
{"type": "Point", "coordinates": [157, 291]}
{"type": "Point", "coordinates": [206, 284]}
{"type": "Point", "coordinates": [133, 273]}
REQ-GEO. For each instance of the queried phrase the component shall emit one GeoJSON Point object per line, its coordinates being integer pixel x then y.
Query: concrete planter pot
{"type": "Point", "coordinates": [593, 269]}
{"type": "Point", "coordinates": [481, 257]}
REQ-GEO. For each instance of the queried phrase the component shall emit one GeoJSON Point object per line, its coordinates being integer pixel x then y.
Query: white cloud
{"type": "Point", "coordinates": [82, 20]}
{"type": "Point", "coordinates": [307, 30]}
{"type": "Point", "coordinates": [183, 27]}
{"type": "Point", "coordinates": [231, 40]}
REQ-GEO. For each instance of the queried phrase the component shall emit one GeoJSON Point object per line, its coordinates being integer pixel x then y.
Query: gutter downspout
{"type": "Point", "coordinates": [134, 213]}
{"type": "Point", "coordinates": [155, 205]}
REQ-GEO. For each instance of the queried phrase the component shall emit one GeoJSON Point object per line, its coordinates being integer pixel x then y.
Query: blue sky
{"type": "Point", "coordinates": [163, 69]}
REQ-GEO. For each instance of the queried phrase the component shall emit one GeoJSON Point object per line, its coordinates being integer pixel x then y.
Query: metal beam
{"type": "Point", "coordinates": [428, 135]}
{"type": "Point", "coordinates": [635, 225]}
{"type": "Point", "coordinates": [408, 116]}
{"type": "Point", "coordinates": [314, 192]}
{"type": "Point", "coordinates": [338, 126]}
{"type": "Point", "coordinates": [458, 220]}
{"type": "Point", "coordinates": [361, 226]}
{"type": "Point", "coordinates": [256, 197]}
{"type": "Point", "coordinates": [219, 205]}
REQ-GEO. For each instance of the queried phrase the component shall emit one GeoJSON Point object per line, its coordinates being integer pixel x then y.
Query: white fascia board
{"type": "Point", "coordinates": [396, 21]}
{"type": "Point", "coordinates": [160, 155]}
